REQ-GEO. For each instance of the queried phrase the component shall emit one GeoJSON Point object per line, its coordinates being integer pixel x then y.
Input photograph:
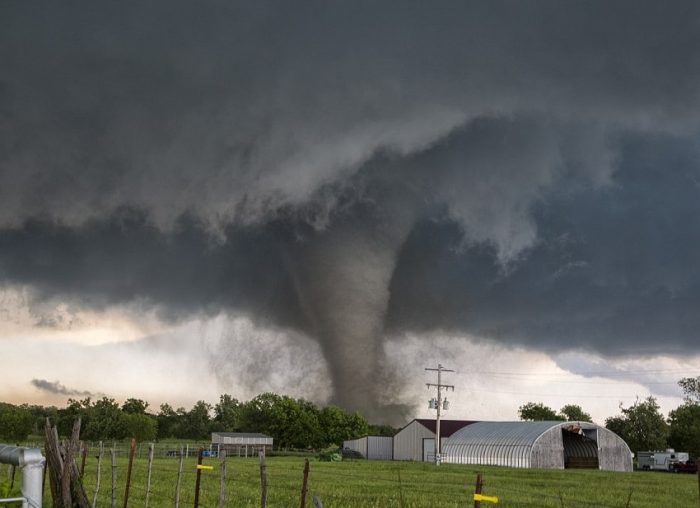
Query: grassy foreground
{"type": "Point", "coordinates": [385, 484]}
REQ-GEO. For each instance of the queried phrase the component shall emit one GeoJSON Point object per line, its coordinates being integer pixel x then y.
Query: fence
{"type": "Point", "coordinates": [157, 479]}
{"type": "Point", "coordinates": [31, 463]}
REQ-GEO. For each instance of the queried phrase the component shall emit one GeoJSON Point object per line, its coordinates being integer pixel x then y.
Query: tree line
{"type": "Point", "coordinates": [293, 423]}
{"type": "Point", "coordinates": [641, 425]}
{"type": "Point", "coordinates": [300, 424]}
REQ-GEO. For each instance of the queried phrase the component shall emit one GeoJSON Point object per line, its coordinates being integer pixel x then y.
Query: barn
{"type": "Point", "coordinates": [241, 444]}
{"type": "Point", "coordinates": [372, 447]}
{"type": "Point", "coordinates": [548, 444]}
{"type": "Point", "coordinates": [416, 441]}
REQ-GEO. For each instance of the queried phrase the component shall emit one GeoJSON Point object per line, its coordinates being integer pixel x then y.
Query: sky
{"type": "Point", "coordinates": [323, 199]}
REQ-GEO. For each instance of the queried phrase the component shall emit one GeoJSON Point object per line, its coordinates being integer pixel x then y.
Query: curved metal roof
{"type": "Point", "coordinates": [512, 433]}
{"type": "Point", "coordinates": [500, 443]}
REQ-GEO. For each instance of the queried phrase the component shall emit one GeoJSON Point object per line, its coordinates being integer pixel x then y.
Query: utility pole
{"type": "Point", "coordinates": [438, 405]}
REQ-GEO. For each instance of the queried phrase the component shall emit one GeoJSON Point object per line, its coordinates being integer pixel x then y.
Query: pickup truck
{"type": "Point", "coordinates": [689, 466]}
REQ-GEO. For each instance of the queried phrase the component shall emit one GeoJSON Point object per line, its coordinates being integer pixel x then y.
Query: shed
{"type": "Point", "coordinates": [416, 441]}
{"type": "Point", "coordinates": [372, 447]}
{"type": "Point", "coordinates": [547, 445]}
{"type": "Point", "coordinates": [241, 443]}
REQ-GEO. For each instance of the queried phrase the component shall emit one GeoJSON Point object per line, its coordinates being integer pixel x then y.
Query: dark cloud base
{"type": "Point", "coordinates": [613, 269]}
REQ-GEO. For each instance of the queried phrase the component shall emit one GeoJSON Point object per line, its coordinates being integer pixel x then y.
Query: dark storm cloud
{"type": "Point", "coordinates": [56, 388]}
{"type": "Point", "coordinates": [519, 171]}
{"type": "Point", "coordinates": [612, 270]}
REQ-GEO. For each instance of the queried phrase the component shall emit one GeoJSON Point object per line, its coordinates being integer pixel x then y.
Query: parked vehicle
{"type": "Point", "coordinates": [347, 453]}
{"type": "Point", "coordinates": [689, 466]}
{"type": "Point", "coordinates": [660, 461]}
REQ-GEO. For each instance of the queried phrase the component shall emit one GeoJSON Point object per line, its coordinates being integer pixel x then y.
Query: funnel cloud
{"type": "Point", "coordinates": [525, 173]}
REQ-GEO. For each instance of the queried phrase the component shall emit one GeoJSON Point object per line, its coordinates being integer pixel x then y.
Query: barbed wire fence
{"type": "Point", "coordinates": [166, 475]}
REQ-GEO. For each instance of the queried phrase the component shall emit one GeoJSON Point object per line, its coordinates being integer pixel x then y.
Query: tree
{"type": "Point", "coordinates": [106, 421]}
{"type": "Point", "coordinates": [641, 425]}
{"type": "Point", "coordinates": [574, 413]}
{"type": "Point", "coordinates": [167, 421]}
{"type": "Point", "coordinates": [338, 425]}
{"type": "Point", "coordinates": [140, 426]}
{"type": "Point", "coordinates": [691, 388]}
{"type": "Point", "coordinates": [382, 430]}
{"type": "Point", "coordinates": [684, 428]}
{"type": "Point", "coordinates": [134, 406]}
{"type": "Point", "coordinates": [15, 422]}
{"type": "Point", "coordinates": [195, 424]}
{"type": "Point", "coordinates": [75, 409]}
{"type": "Point", "coordinates": [536, 411]}
{"type": "Point", "coordinates": [226, 414]}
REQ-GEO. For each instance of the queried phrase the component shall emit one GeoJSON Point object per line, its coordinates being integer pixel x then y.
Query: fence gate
{"type": "Point", "coordinates": [31, 463]}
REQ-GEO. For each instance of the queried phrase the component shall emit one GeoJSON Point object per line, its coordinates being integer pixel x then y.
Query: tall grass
{"type": "Point", "coordinates": [362, 483]}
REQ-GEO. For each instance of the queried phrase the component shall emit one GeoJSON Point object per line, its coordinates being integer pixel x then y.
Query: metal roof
{"type": "Point", "coordinates": [447, 427]}
{"type": "Point", "coordinates": [239, 434]}
{"type": "Point", "coordinates": [506, 443]}
{"type": "Point", "coordinates": [512, 433]}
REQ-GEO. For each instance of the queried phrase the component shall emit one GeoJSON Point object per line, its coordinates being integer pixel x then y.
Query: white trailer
{"type": "Point", "coordinates": [660, 461]}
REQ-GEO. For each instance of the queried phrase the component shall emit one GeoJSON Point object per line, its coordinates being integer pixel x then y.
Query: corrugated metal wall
{"type": "Point", "coordinates": [613, 452]}
{"type": "Point", "coordinates": [493, 443]}
{"type": "Point", "coordinates": [548, 450]}
{"type": "Point", "coordinates": [408, 442]}
{"type": "Point", "coordinates": [372, 447]}
{"type": "Point", "coordinates": [358, 445]}
{"type": "Point", "coordinates": [533, 444]}
{"type": "Point", "coordinates": [380, 448]}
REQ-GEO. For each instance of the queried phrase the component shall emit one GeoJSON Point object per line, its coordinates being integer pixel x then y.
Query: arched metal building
{"type": "Point", "coordinates": [549, 445]}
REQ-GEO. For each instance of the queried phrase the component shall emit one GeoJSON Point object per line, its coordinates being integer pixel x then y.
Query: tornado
{"type": "Point", "coordinates": [342, 278]}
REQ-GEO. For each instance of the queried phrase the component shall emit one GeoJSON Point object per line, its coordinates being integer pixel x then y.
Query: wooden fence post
{"type": "Point", "coordinates": [148, 477]}
{"type": "Point", "coordinates": [99, 472]}
{"type": "Point", "coordinates": [477, 490]}
{"type": "Point", "coordinates": [263, 480]}
{"type": "Point", "coordinates": [304, 483]}
{"type": "Point", "coordinates": [66, 487]}
{"type": "Point", "coordinates": [132, 450]}
{"type": "Point", "coordinates": [179, 479]}
{"type": "Point", "coordinates": [199, 477]}
{"type": "Point", "coordinates": [222, 478]}
{"type": "Point", "coordinates": [84, 456]}
{"type": "Point", "coordinates": [113, 453]}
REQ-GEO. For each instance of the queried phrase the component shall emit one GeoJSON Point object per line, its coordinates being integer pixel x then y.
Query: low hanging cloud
{"type": "Point", "coordinates": [56, 388]}
{"type": "Point", "coordinates": [524, 173]}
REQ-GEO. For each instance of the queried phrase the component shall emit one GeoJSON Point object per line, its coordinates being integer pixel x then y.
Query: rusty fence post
{"type": "Point", "coordinates": [477, 490]}
{"type": "Point", "coordinates": [305, 483]}
{"type": "Point", "coordinates": [83, 458]}
{"type": "Point", "coordinates": [132, 450]}
{"type": "Point", "coordinates": [199, 478]}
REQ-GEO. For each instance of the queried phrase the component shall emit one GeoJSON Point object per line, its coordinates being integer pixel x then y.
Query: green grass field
{"type": "Point", "coordinates": [386, 484]}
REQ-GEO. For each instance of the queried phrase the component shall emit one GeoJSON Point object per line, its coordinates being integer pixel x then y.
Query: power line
{"type": "Point", "coordinates": [568, 395]}
{"type": "Point", "coordinates": [605, 373]}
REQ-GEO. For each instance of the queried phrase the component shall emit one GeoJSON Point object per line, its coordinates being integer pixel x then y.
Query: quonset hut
{"type": "Point", "coordinates": [549, 445]}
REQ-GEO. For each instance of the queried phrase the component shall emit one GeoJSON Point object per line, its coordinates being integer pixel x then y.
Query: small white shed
{"type": "Point", "coordinates": [241, 443]}
{"type": "Point", "coordinates": [372, 447]}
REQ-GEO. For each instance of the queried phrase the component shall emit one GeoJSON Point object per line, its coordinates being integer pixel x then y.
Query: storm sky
{"type": "Point", "coordinates": [323, 198]}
